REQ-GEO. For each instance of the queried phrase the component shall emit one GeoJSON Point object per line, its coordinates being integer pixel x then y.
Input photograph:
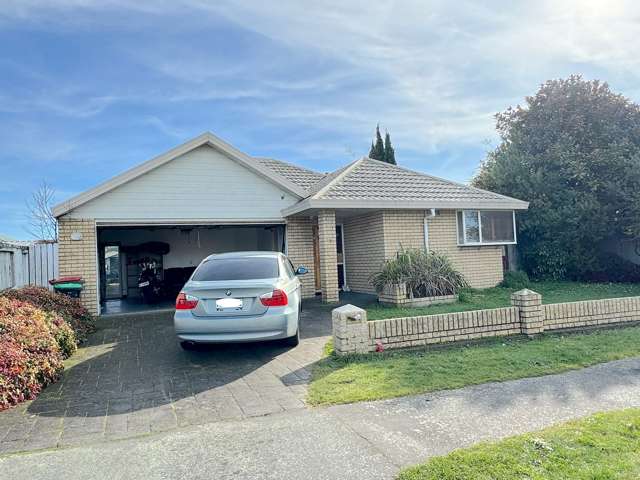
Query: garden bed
{"type": "Point", "coordinates": [397, 296]}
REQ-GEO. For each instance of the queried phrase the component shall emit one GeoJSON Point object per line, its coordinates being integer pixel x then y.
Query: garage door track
{"type": "Point", "coordinates": [132, 378]}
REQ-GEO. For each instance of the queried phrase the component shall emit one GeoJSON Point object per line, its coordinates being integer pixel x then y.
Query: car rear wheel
{"type": "Point", "coordinates": [188, 345]}
{"type": "Point", "coordinates": [292, 341]}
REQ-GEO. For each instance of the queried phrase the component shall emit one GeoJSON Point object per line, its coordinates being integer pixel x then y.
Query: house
{"type": "Point", "coordinates": [206, 196]}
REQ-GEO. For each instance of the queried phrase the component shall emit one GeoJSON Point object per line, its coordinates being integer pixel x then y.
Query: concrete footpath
{"type": "Point", "coordinates": [364, 440]}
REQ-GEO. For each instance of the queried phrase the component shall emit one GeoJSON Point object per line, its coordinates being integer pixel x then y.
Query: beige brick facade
{"type": "Point", "coordinates": [374, 237]}
{"type": "Point", "coordinates": [328, 255]}
{"type": "Point", "coordinates": [364, 249]}
{"type": "Point", "coordinates": [481, 266]}
{"type": "Point", "coordinates": [300, 250]}
{"type": "Point", "coordinates": [402, 229]}
{"type": "Point", "coordinates": [369, 239]}
{"type": "Point", "coordinates": [79, 257]}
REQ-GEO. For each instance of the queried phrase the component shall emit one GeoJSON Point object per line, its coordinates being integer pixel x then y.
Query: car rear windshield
{"type": "Point", "coordinates": [247, 268]}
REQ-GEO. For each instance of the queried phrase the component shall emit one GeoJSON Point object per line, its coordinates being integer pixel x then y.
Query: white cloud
{"type": "Point", "coordinates": [433, 72]}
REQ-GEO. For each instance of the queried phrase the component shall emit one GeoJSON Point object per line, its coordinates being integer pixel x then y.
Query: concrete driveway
{"type": "Point", "coordinates": [132, 378]}
{"type": "Point", "coordinates": [365, 440]}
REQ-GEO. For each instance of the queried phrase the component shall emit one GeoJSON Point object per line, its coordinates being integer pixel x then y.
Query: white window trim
{"type": "Point", "coordinates": [481, 243]}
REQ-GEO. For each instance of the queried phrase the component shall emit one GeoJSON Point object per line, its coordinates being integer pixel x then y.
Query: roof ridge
{"type": "Point", "coordinates": [446, 180]}
{"type": "Point", "coordinates": [345, 170]}
{"type": "Point", "coordinates": [290, 164]}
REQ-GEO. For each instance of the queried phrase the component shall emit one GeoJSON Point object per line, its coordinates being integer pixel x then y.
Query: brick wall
{"type": "Point", "coordinates": [450, 327]}
{"type": "Point", "coordinates": [300, 250]}
{"type": "Point", "coordinates": [527, 316]}
{"type": "Point", "coordinates": [364, 249]}
{"type": "Point", "coordinates": [79, 257]}
{"type": "Point", "coordinates": [402, 229]}
{"type": "Point", "coordinates": [563, 316]}
{"type": "Point", "coordinates": [481, 266]}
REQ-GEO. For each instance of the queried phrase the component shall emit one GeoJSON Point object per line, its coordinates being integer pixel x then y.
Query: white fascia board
{"type": "Point", "coordinates": [310, 203]}
{"type": "Point", "coordinates": [206, 138]}
{"type": "Point", "coordinates": [170, 222]}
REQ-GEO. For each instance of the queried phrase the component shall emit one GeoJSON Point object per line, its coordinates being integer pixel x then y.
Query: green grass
{"type": "Point", "coordinates": [552, 292]}
{"type": "Point", "coordinates": [405, 372]}
{"type": "Point", "coordinates": [603, 446]}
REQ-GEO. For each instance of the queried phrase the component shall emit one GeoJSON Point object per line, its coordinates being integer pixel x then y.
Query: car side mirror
{"type": "Point", "coordinates": [301, 270]}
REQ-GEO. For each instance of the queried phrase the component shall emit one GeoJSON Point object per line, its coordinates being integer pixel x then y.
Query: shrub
{"type": "Point", "coordinates": [613, 268]}
{"type": "Point", "coordinates": [81, 321]}
{"type": "Point", "coordinates": [30, 356]}
{"type": "Point", "coordinates": [63, 334]}
{"type": "Point", "coordinates": [517, 280]}
{"type": "Point", "coordinates": [426, 274]}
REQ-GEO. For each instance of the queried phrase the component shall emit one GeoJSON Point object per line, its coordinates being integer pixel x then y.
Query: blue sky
{"type": "Point", "coordinates": [91, 88]}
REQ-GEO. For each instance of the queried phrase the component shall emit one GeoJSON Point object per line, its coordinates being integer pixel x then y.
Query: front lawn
{"type": "Point", "coordinates": [603, 446]}
{"type": "Point", "coordinates": [552, 292]}
{"type": "Point", "coordinates": [405, 372]}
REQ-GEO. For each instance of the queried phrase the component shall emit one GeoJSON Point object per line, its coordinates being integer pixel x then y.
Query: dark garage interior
{"type": "Point", "coordinates": [144, 267]}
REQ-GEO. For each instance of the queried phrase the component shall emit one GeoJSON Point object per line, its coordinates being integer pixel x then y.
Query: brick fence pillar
{"type": "Point", "coordinates": [328, 256]}
{"type": "Point", "coordinates": [529, 304]}
{"type": "Point", "coordinates": [350, 330]}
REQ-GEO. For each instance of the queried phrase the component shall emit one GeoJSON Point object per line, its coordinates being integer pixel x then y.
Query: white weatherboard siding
{"type": "Point", "coordinates": [201, 184]}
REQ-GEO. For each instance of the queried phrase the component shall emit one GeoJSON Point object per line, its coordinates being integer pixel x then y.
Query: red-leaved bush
{"type": "Point", "coordinates": [68, 308]}
{"type": "Point", "coordinates": [30, 356]}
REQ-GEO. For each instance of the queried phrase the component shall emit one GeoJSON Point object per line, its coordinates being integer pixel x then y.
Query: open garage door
{"type": "Point", "coordinates": [166, 255]}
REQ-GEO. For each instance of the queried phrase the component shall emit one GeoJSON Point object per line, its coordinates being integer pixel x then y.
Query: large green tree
{"type": "Point", "coordinates": [389, 152]}
{"type": "Point", "coordinates": [573, 152]}
{"type": "Point", "coordinates": [377, 147]}
{"type": "Point", "coordinates": [382, 150]}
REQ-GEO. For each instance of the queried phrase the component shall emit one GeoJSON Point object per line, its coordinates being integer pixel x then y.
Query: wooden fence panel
{"type": "Point", "coordinates": [33, 264]}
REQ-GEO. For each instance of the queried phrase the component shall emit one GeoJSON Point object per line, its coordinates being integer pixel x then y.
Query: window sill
{"type": "Point", "coordinates": [493, 244]}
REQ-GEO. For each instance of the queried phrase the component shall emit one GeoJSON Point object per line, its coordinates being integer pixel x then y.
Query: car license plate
{"type": "Point", "coordinates": [229, 304]}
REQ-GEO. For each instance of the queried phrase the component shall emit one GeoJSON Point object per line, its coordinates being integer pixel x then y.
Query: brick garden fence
{"type": "Point", "coordinates": [352, 333]}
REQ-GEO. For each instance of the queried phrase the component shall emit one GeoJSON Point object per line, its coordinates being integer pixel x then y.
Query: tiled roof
{"type": "Point", "coordinates": [302, 177]}
{"type": "Point", "coordinates": [369, 179]}
{"type": "Point", "coordinates": [327, 179]}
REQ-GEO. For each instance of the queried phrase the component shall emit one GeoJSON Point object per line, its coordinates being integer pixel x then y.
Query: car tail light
{"type": "Point", "coordinates": [277, 298]}
{"type": "Point", "coordinates": [186, 302]}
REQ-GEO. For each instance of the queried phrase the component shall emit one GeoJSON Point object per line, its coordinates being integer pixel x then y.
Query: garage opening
{"type": "Point", "coordinates": [144, 267]}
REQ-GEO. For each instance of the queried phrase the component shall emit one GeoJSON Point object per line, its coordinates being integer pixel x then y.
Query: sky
{"type": "Point", "coordinates": [90, 88]}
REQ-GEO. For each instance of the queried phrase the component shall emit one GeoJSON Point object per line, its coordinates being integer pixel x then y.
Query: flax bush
{"type": "Point", "coordinates": [426, 274]}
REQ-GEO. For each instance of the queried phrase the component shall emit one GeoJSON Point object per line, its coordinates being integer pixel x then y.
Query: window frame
{"type": "Point", "coordinates": [481, 243]}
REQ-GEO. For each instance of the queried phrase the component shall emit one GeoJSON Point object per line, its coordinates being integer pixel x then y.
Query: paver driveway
{"type": "Point", "coordinates": [133, 378]}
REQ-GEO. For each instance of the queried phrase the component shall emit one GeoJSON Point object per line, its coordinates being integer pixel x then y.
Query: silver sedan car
{"type": "Point", "coordinates": [240, 297]}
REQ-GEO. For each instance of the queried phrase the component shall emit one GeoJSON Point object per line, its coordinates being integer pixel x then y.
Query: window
{"type": "Point", "coordinates": [247, 268]}
{"type": "Point", "coordinates": [486, 227]}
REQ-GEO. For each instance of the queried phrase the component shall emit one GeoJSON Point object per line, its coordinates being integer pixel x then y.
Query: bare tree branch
{"type": "Point", "coordinates": [41, 222]}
